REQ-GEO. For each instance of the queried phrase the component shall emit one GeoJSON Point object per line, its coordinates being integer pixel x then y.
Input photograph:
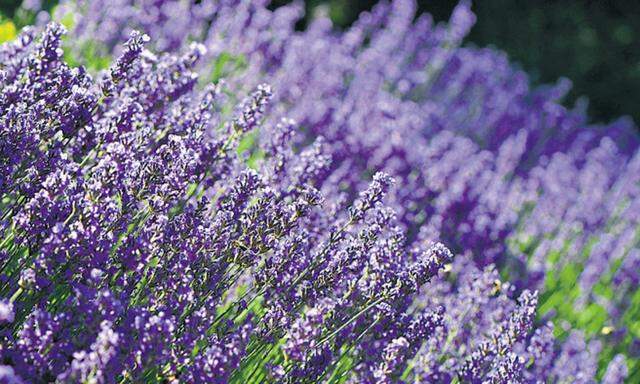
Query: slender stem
{"type": "Point", "coordinates": [351, 320]}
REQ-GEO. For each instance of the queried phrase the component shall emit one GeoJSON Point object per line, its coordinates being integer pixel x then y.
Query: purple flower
{"type": "Point", "coordinates": [617, 371]}
{"type": "Point", "coordinates": [156, 228]}
{"type": "Point", "coordinates": [8, 375]}
{"type": "Point", "coordinates": [7, 313]}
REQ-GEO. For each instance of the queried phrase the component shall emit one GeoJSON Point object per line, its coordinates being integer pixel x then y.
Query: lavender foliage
{"type": "Point", "coordinates": [233, 231]}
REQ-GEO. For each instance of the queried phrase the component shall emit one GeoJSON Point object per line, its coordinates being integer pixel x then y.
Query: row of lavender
{"type": "Point", "coordinates": [485, 164]}
{"type": "Point", "coordinates": [139, 243]}
{"type": "Point", "coordinates": [138, 247]}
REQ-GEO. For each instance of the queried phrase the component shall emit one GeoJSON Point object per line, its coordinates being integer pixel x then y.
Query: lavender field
{"type": "Point", "coordinates": [202, 192]}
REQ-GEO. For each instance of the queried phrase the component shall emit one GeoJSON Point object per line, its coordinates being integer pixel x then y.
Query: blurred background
{"type": "Point", "coordinates": [594, 43]}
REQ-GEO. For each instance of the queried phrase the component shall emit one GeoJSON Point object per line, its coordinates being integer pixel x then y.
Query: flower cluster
{"type": "Point", "coordinates": [495, 170]}
{"type": "Point", "coordinates": [160, 224]}
{"type": "Point", "coordinates": [139, 245]}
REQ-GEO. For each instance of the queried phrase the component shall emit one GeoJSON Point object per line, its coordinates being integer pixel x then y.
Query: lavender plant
{"type": "Point", "coordinates": [139, 247]}
{"type": "Point", "coordinates": [497, 171]}
{"type": "Point", "coordinates": [251, 239]}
